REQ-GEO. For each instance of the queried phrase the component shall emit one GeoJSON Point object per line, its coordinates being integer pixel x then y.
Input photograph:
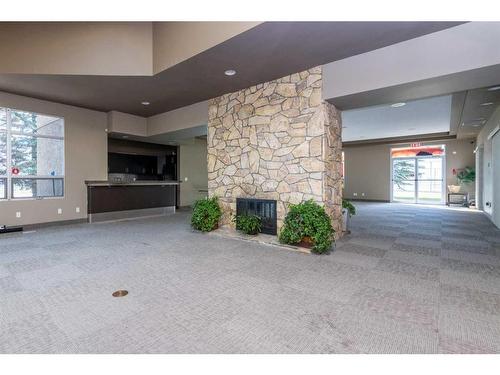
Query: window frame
{"type": "Point", "coordinates": [9, 177]}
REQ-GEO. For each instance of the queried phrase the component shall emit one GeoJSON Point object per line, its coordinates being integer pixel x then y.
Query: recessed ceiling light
{"type": "Point", "coordinates": [230, 72]}
{"type": "Point", "coordinates": [494, 88]}
{"type": "Point", "coordinates": [396, 105]}
{"type": "Point", "coordinates": [145, 103]}
{"type": "Point", "coordinates": [487, 103]}
{"type": "Point", "coordinates": [476, 125]}
{"type": "Point", "coordinates": [454, 152]}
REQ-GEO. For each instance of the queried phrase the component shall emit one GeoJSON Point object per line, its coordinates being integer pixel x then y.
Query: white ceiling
{"type": "Point", "coordinates": [478, 107]}
{"type": "Point", "coordinates": [424, 116]}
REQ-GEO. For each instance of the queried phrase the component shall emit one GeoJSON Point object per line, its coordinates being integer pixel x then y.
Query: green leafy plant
{"type": "Point", "coordinates": [206, 214]}
{"type": "Point", "coordinates": [466, 176]}
{"type": "Point", "coordinates": [308, 220]}
{"type": "Point", "coordinates": [249, 224]}
{"type": "Point", "coordinates": [346, 204]}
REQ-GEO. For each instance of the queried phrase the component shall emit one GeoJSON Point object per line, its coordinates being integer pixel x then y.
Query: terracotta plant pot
{"type": "Point", "coordinates": [306, 242]}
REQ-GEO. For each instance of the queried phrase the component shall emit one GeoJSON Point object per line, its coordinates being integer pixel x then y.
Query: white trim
{"type": "Point", "coordinates": [417, 158]}
{"type": "Point", "coordinates": [493, 132]}
{"type": "Point", "coordinates": [9, 177]}
{"type": "Point", "coordinates": [9, 155]}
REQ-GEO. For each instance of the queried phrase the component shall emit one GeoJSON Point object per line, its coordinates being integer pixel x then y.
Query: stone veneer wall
{"type": "Point", "coordinates": [276, 140]}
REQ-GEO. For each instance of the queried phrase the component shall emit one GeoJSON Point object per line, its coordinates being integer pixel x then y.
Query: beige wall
{"type": "Point", "coordinates": [193, 165]}
{"type": "Point", "coordinates": [85, 159]}
{"type": "Point", "coordinates": [107, 48]}
{"type": "Point", "coordinates": [97, 48]}
{"type": "Point", "coordinates": [179, 119]}
{"type": "Point", "coordinates": [367, 171]}
{"type": "Point", "coordinates": [367, 168]}
{"type": "Point", "coordinates": [418, 59]}
{"type": "Point", "coordinates": [125, 123]}
{"type": "Point", "coordinates": [177, 41]}
{"type": "Point", "coordinates": [489, 167]}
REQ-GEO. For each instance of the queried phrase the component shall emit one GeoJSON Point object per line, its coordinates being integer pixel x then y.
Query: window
{"type": "Point", "coordinates": [31, 155]}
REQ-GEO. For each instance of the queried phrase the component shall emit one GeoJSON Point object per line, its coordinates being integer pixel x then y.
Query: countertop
{"type": "Point", "coordinates": [135, 183]}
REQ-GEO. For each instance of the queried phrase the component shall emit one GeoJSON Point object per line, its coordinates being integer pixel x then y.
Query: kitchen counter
{"type": "Point", "coordinates": [134, 183]}
{"type": "Point", "coordinates": [108, 200]}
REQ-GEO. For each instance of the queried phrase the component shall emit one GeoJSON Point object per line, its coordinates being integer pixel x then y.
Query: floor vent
{"type": "Point", "coordinates": [120, 293]}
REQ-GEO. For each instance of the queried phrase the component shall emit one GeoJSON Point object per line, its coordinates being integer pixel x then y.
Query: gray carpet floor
{"type": "Point", "coordinates": [409, 279]}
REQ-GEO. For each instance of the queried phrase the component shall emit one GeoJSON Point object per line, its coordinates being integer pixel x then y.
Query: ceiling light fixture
{"type": "Point", "coordinates": [487, 103]}
{"type": "Point", "coordinates": [494, 88]}
{"type": "Point", "coordinates": [145, 103]}
{"type": "Point", "coordinates": [396, 105]}
{"type": "Point", "coordinates": [230, 72]}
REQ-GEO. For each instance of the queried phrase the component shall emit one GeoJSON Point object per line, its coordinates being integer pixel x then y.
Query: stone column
{"type": "Point", "coordinates": [276, 140]}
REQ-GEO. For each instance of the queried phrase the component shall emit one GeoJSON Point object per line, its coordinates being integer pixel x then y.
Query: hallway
{"type": "Point", "coordinates": [434, 263]}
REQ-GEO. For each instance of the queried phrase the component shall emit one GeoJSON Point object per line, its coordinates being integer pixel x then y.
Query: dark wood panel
{"type": "Point", "coordinates": [121, 198]}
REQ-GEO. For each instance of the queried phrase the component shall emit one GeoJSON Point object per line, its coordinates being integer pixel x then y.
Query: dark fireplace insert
{"type": "Point", "coordinates": [265, 208]}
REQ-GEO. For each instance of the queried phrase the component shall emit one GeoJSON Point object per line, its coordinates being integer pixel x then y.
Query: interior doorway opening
{"type": "Point", "coordinates": [418, 174]}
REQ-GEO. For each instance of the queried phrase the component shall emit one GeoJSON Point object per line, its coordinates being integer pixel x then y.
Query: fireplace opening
{"type": "Point", "coordinates": [264, 208]}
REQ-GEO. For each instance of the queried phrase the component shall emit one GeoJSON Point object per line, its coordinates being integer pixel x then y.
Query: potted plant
{"type": "Point", "coordinates": [466, 176]}
{"type": "Point", "coordinates": [249, 224]}
{"type": "Point", "coordinates": [206, 214]}
{"type": "Point", "coordinates": [348, 210]}
{"type": "Point", "coordinates": [308, 225]}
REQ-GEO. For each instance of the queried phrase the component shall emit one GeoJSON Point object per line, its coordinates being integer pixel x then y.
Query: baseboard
{"type": "Point", "coordinates": [12, 229]}
{"type": "Point", "coordinates": [29, 227]}
{"type": "Point", "coordinates": [130, 214]}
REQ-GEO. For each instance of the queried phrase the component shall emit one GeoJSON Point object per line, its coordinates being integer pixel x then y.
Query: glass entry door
{"type": "Point", "coordinates": [404, 187]}
{"type": "Point", "coordinates": [429, 180]}
{"type": "Point", "coordinates": [418, 180]}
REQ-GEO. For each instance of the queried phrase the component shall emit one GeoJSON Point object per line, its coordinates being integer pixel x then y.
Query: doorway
{"type": "Point", "coordinates": [495, 183]}
{"type": "Point", "coordinates": [417, 175]}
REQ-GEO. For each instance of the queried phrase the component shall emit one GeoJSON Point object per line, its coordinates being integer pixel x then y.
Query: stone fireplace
{"type": "Point", "coordinates": [264, 208]}
{"type": "Point", "coordinates": [279, 141]}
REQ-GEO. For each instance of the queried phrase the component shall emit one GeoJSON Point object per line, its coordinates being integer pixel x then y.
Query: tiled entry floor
{"type": "Point", "coordinates": [409, 279]}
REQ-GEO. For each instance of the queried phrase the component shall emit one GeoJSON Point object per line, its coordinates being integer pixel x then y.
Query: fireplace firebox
{"type": "Point", "coordinates": [264, 208]}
